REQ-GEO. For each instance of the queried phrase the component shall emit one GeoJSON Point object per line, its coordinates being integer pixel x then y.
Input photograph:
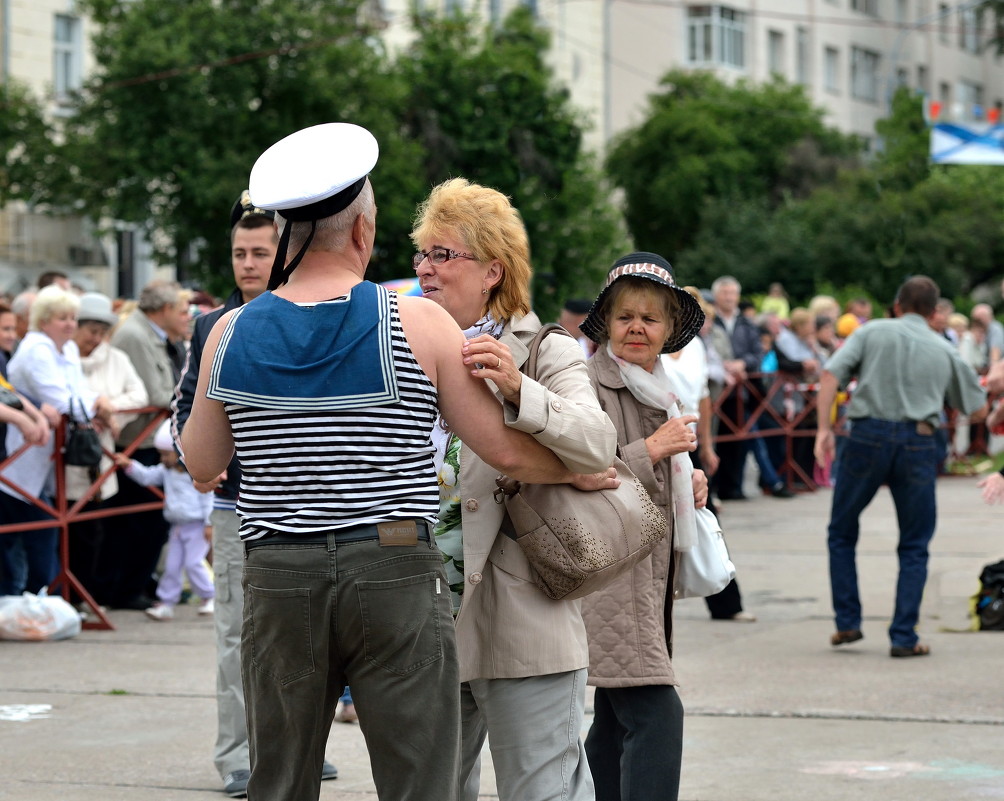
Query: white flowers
{"type": "Point", "coordinates": [447, 476]}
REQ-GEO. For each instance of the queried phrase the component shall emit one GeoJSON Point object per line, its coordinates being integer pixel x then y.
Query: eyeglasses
{"type": "Point", "coordinates": [437, 256]}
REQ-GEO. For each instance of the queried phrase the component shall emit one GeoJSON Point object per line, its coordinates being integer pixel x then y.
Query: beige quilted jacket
{"type": "Point", "coordinates": [629, 623]}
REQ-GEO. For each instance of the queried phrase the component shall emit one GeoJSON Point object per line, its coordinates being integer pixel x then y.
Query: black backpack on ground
{"type": "Point", "coordinates": [990, 601]}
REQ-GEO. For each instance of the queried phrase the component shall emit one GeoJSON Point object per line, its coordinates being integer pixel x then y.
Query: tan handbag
{"type": "Point", "coordinates": [576, 541]}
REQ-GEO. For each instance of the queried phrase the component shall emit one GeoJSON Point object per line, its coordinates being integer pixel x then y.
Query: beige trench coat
{"type": "Point", "coordinates": [508, 628]}
{"type": "Point", "coordinates": [629, 622]}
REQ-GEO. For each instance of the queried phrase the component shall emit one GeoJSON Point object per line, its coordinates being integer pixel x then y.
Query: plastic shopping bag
{"type": "Point", "coordinates": [37, 617]}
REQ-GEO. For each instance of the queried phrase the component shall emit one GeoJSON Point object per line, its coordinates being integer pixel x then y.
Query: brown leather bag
{"type": "Point", "coordinates": [576, 541]}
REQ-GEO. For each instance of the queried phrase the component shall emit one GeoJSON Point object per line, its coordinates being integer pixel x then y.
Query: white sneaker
{"type": "Point", "coordinates": [162, 612]}
{"type": "Point", "coordinates": [207, 607]}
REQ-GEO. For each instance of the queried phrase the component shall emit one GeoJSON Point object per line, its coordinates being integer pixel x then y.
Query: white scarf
{"type": "Point", "coordinates": [655, 389]}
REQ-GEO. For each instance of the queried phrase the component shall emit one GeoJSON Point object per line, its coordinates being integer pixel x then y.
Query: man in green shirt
{"type": "Point", "coordinates": [906, 373]}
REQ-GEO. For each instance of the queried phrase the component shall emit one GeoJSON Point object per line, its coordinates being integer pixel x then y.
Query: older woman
{"type": "Point", "coordinates": [635, 742]}
{"type": "Point", "coordinates": [523, 656]}
{"type": "Point", "coordinates": [46, 368]}
{"type": "Point", "coordinates": [110, 373]}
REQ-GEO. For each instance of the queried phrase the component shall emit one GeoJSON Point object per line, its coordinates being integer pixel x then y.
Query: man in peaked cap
{"type": "Point", "coordinates": [328, 387]}
{"type": "Point", "coordinates": [252, 251]}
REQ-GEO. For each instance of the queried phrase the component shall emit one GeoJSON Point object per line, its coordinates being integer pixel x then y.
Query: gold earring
{"type": "Point", "coordinates": [484, 291]}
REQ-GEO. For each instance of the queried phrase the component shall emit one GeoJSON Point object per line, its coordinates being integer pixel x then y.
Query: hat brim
{"type": "Point", "coordinates": [686, 325]}
{"type": "Point", "coordinates": [98, 317]}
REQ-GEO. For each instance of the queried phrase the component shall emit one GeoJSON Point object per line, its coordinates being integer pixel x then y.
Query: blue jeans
{"type": "Point", "coordinates": [768, 473]}
{"type": "Point", "coordinates": [29, 560]}
{"type": "Point", "coordinates": [882, 452]}
{"type": "Point", "coordinates": [318, 616]}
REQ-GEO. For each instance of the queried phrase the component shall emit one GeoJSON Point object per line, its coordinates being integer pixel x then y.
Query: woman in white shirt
{"type": "Point", "coordinates": [687, 369]}
{"type": "Point", "coordinates": [46, 369]}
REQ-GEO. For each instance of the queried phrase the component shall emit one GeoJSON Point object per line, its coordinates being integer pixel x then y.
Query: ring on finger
{"type": "Point", "coordinates": [497, 366]}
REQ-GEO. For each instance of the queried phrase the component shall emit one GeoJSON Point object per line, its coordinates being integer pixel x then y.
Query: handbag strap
{"type": "Point", "coordinates": [529, 367]}
{"type": "Point", "coordinates": [83, 410]}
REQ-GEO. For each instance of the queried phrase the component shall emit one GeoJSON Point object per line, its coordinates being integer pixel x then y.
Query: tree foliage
{"type": "Point", "coordinates": [703, 139]}
{"type": "Point", "coordinates": [483, 104]}
{"type": "Point", "coordinates": [905, 158]}
{"type": "Point", "coordinates": [186, 95]}
{"type": "Point", "coordinates": [28, 165]}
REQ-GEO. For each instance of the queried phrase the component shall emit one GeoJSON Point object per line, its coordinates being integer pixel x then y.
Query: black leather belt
{"type": "Point", "coordinates": [353, 534]}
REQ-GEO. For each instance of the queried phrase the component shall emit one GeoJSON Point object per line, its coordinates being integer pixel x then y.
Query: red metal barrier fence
{"type": "Point", "coordinates": [63, 514]}
{"type": "Point", "coordinates": [788, 404]}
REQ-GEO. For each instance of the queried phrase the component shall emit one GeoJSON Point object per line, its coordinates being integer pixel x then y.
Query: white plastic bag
{"type": "Point", "coordinates": [37, 617]}
{"type": "Point", "coordinates": [706, 568]}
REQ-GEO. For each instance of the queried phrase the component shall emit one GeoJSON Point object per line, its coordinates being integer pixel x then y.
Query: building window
{"type": "Point", "coordinates": [802, 56]}
{"type": "Point", "coordinates": [969, 30]}
{"type": "Point", "coordinates": [67, 55]}
{"type": "Point", "coordinates": [970, 96]}
{"type": "Point", "coordinates": [902, 11]}
{"type": "Point", "coordinates": [924, 79]}
{"type": "Point", "coordinates": [944, 14]}
{"type": "Point", "coordinates": [902, 77]}
{"type": "Point", "coordinates": [945, 97]}
{"type": "Point", "coordinates": [775, 52]}
{"type": "Point", "coordinates": [716, 35]}
{"type": "Point", "coordinates": [869, 7]}
{"type": "Point", "coordinates": [831, 69]}
{"type": "Point", "coordinates": [864, 74]}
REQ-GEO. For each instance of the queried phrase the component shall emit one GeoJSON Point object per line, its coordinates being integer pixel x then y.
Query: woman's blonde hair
{"type": "Point", "coordinates": [48, 303]}
{"type": "Point", "coordinates": [707, 308]}
{"type": "Point", "coordinates": [800, 316]}
{"type": "Point", "coordinates": [491, 228]}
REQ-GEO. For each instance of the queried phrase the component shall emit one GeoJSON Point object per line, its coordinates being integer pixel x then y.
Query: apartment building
{"type": "Point", "coordinates": [849, 54]}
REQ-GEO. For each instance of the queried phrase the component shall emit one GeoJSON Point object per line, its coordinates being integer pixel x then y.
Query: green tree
{"type": "Point", "coordinates": [703, 139]}
{"type": "Point", "coordinates": [905, 158]}
{"type": "Point", "coordinates": [483, 104]}
{"type": "Point", "coordinates": [28, 165]}
{"type": "Point", "coordinates": [754, 242]}
{"type": "Point", "coordinates": [186, 95]}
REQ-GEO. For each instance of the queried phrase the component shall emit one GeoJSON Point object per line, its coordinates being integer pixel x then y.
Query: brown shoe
{"type": "Point", "coordinates": [845, 637]}
{"type": "Point", "coordinates": [920, 649]}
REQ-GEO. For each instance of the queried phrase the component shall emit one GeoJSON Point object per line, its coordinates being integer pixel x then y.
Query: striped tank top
{"type": "Point", "coordinates": [331, 415]}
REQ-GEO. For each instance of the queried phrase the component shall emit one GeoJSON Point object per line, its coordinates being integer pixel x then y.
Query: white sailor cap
{"type": "Point", "coordinates": [314, 173]}
{"type": "Point", "coordinates": [309, 175]}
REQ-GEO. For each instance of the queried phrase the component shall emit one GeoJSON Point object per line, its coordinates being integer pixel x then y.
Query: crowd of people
{"type": "Point", "coordinates": [333, 447]}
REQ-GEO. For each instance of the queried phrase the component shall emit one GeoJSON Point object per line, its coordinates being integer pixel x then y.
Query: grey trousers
{"type": "Point", "coordinates": [534, 728]}
{"type": "Point", "coordinates": [320, 616]}
{"type": "Point", "coordinates": [231, 750]}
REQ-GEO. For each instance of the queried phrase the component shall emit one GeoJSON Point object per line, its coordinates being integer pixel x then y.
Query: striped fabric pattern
{"type": "Point", "coordinates": [308, 472]}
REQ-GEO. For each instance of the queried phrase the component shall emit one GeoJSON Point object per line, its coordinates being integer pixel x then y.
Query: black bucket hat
{"type": "Point", "coordinates": [652, 267]}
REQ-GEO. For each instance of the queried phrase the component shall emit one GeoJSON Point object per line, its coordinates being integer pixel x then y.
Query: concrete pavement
{"type": "Point", "coordinates": [773, 712]}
